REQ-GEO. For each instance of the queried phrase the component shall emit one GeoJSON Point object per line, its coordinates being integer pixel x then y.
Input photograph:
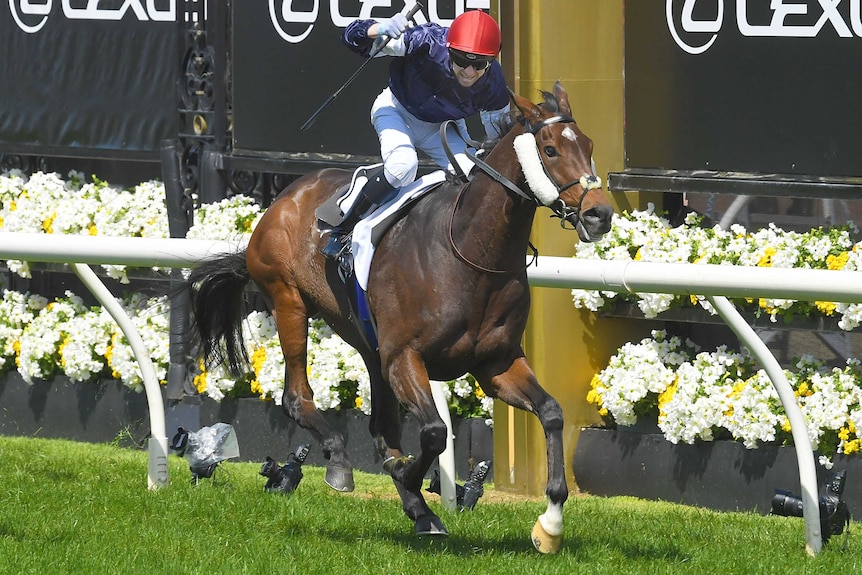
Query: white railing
{"type": "Point", "coordinates": [715, 282]}
{"type": "Point", "coordinates": [79, 251]}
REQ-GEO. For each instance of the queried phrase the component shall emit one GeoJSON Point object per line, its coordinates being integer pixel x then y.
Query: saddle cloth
{"type": "Point", "coordinates": [362, 244]}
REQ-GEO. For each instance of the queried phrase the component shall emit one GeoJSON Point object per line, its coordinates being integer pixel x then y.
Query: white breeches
{"type": "Point", "coordinates": [401, 134]}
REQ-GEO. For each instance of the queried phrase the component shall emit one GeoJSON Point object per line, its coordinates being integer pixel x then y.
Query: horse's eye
{"type": "Point", "coordinates": [550, 151]}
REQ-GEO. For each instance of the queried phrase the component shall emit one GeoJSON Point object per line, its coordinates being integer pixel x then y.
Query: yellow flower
{"type": "Point", "coordinates": [48, 223]}
{"type": "Point", "coordinates": [258, 358]}
{"type": "Point", "coordinates": [826, 307]}
{"type": "Point", "coordinates": [60, 349]}
{"type": "Point", "coordinates": [665, 396]}
{"type": "Point", "coordinates": [843, 434]}
{"type": "Point", "coordinates": [851, 447]}
{"type": "Point", "coordinates": [594, 395]}
{"type": "Point", "coordinates": [358, 402]}
{"type": "Point", "coordinates": [200, 380]}
{"type": "Point", "coordinates": [837, 262]}
{"type": "Point", "coordinates": [785, 425]}
{"type": "Point", "coordinates": [804, 390]}
{"type": "Point", "coordinates": [693, 299]}
{"type": "Point", "coordinates": [13, 206]}
{"type": "Point", "coordinates": [638, 255]}
{"type": "Point", "coordinates": [109, 357]}
{"type": "Point", "coordinates": [480, 393]}
{"type": "Point", "coordinates": [766, 259]}
{"type": "Point", "coordinates": [93, 230]}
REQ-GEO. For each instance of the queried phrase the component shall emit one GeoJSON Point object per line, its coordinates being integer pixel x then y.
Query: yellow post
{"type": "Point", "coordinates": [579, 43]}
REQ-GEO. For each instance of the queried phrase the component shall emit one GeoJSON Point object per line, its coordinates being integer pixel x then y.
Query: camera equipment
{"type": "Point", "coordinates": [468, 494]}
{"type": "Point", "coordinates": [284, 479]}
{"type": "Point", "coordinates": [206, 448]}
{"type": "Point", "coordinates": [834, 513]}
{"type": "Point", "coordinates": [473, 489]}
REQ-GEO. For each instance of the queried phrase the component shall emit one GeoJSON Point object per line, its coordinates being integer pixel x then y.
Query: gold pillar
{"type": "Point", "coordinates": [579, 43]}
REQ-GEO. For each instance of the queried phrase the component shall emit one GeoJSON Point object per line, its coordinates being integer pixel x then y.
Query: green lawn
{"type": "Point", "coordinates": [78, 508]}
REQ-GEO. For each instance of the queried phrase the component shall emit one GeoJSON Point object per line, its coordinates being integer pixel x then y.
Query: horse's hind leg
{"type": "Point", "coordinates": [518, 387]}
{"type": "Point", "coordinates": [291, 319]}
{"type": "Point", "coordinates": [409, 381]}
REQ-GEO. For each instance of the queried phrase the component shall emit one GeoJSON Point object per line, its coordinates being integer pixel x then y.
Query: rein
{"type": "Point", "coordinates": [558, 207]}
{"type": "Point", "coordinates": [497, 177]}
{"type": "Point", "coordinates": [471, 263]}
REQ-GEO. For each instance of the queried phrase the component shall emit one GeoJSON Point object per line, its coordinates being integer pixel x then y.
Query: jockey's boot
{"type": "Point", "coordinates": [376, 191]}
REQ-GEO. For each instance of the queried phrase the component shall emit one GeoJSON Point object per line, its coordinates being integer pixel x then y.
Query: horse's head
{"type": "Point", "coordinates": [557, 160]}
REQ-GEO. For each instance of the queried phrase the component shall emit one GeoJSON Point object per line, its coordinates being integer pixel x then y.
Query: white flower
{"type": "Point", "coordinates": [646, 236]}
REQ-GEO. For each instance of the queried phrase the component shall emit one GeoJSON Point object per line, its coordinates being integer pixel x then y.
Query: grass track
{"type": "Point", "coordinates": [68, 507]}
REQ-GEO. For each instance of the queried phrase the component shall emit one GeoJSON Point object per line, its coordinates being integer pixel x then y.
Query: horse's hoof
{"type": "Point", "coordinates": [430, 525]}
{"type": "Point", "coordinates": [543, 541]}
{"type": "Point", "coordinates": [339, 478]}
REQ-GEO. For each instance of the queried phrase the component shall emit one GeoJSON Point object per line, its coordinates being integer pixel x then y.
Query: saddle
{"type": "Point", "coordinates": [354, 261]}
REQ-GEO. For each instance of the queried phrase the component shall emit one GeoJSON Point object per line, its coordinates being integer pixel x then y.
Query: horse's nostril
{"type": "Point", "coordinates": [599, 218]}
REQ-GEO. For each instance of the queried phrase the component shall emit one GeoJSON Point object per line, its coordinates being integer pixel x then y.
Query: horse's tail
{"type": "Point", "coordinates": [216, 289]}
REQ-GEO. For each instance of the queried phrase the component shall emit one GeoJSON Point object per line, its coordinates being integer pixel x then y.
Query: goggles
{"type": "Point", "coordinates": [464, 60]}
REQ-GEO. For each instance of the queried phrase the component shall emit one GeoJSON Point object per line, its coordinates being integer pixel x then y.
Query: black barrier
{"type": "Point", "coordinates": [753, 86]}
{"type": "Point", "coordinates": [88, 79]}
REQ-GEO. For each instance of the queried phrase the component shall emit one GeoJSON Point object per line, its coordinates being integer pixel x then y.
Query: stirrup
{"type": "Point", "coordinates": [335, 245]}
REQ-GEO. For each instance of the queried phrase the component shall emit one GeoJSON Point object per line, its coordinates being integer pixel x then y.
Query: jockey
{"type": "Point", "coordinates": [437, 74]}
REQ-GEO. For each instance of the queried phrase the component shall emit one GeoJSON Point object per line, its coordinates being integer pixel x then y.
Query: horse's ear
{"type": "Point", "coordinates": [562, 98]}
{"type": "Point", "coordinates": [528, 109]}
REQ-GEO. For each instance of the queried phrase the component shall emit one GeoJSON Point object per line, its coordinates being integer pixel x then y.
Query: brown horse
{"type": "Point", "coordinates": [448, 291]}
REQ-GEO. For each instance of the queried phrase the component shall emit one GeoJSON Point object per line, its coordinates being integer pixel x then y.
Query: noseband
{"type": "Point", "coordinates": [541, 188]}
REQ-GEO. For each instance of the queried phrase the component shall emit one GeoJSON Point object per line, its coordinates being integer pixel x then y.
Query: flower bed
{"type": "Point", "coordinates": [646, 236]}
{"type": "Point", "coordinates": [41, 338]}
{"type": "Point", "coordinates": [696, 396]}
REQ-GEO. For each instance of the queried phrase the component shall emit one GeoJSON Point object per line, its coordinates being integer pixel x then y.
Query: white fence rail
{"type": "Point", "coordinates": [715, 282]}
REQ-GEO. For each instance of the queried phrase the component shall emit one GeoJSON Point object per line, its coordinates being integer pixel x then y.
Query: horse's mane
{"type": "Point", "coordinates": [507, 121]}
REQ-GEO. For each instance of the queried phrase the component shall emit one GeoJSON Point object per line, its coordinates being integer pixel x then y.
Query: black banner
{"type": "Point", "coordinates": [90, 79]}
{"type": "Point", "coordinates": [288, 60]}
{"type": "Point", "coordinates": [762, 86]}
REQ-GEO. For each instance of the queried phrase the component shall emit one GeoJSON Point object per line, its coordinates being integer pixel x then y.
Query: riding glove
{"type": "Point", "coordinates": [393, 27]}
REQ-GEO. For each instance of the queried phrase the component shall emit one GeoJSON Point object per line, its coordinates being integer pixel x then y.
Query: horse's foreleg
{"type": "Point", "coordinates": [518, 387]}
{"type": "Point", "coordinates": [385, 421]}
{"type": "Point", "coordinates": [298, 398]}
{"type": "Point", "coordinates": [409, 381]}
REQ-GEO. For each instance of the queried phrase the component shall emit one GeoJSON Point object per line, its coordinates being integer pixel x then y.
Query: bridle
{"type": "Point", "coordinates": [588, 182]}
{"type": "Point", "coordinates": [567, 214]}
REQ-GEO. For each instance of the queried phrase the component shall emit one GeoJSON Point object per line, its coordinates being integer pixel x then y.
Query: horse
{"type": "Point", "coordinates": [447, 291]}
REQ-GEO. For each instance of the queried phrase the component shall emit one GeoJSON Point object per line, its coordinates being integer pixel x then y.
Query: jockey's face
{"type": "Point", "coordinates": [467, 76]}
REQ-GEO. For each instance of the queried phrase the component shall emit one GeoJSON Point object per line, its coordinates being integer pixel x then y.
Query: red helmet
{"type": "Point", "coordinates": [474, 32]}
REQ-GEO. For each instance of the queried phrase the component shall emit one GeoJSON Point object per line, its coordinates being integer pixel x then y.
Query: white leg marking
{"type": "Point", "coordinates": [552, 519]}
